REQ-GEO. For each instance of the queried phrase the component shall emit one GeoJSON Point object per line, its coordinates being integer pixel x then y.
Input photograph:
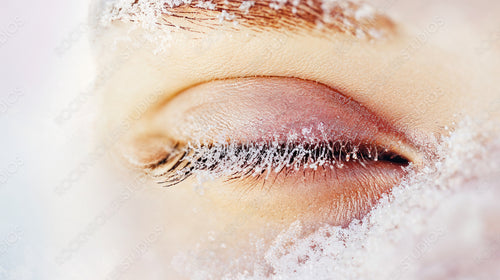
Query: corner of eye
{"type": "Point", "coordinates": [145, 150]}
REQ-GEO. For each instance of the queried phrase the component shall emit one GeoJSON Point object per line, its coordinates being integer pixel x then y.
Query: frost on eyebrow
{"type": "Point", "coordinates": [346, 16]}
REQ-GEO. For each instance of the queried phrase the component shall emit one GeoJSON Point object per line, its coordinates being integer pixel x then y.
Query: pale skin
{"type": "Point", "coordinates": [438, 80]}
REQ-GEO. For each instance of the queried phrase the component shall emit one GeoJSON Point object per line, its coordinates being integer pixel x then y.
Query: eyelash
{"type": "Point", "coordinates": [246, 160]}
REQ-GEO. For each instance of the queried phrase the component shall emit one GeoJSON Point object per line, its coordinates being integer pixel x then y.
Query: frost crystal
{"type": "Point", "coordinates": [246, 5]}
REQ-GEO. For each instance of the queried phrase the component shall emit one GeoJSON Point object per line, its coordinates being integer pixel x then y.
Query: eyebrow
{"type": "Point", "coordinates": [344, 16]}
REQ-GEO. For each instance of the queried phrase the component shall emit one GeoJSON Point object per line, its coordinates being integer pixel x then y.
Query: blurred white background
{"type": "Point", "coordinates": [45, 63]}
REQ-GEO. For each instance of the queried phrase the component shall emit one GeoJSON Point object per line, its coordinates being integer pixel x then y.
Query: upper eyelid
{"type": "Point", "coordinates": [393, 137]}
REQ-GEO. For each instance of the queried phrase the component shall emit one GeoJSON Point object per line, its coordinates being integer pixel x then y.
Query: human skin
{"type": "Point", "coordinates": [422, 87]}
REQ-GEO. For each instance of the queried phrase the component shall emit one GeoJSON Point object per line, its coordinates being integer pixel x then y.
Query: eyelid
{"type": "Point", "coordinates": [213, 128]}
{"type": "Point", "coordinates": [260, 108]}
{"type": "Point", "coordinates": [358, 70]}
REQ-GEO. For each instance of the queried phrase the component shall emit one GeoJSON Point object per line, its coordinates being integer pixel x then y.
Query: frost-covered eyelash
{"type": "Point", "coordinates": [239, 160]}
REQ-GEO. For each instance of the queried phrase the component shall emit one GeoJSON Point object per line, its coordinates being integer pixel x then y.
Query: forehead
{"type": "Point", "coordinates": [351, 17]}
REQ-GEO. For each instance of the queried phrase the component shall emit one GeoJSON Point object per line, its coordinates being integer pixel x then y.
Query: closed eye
{"type": "Point", "coordinates": [294, 138]}
{"type": "Point", "coordinates": [318, 124]}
